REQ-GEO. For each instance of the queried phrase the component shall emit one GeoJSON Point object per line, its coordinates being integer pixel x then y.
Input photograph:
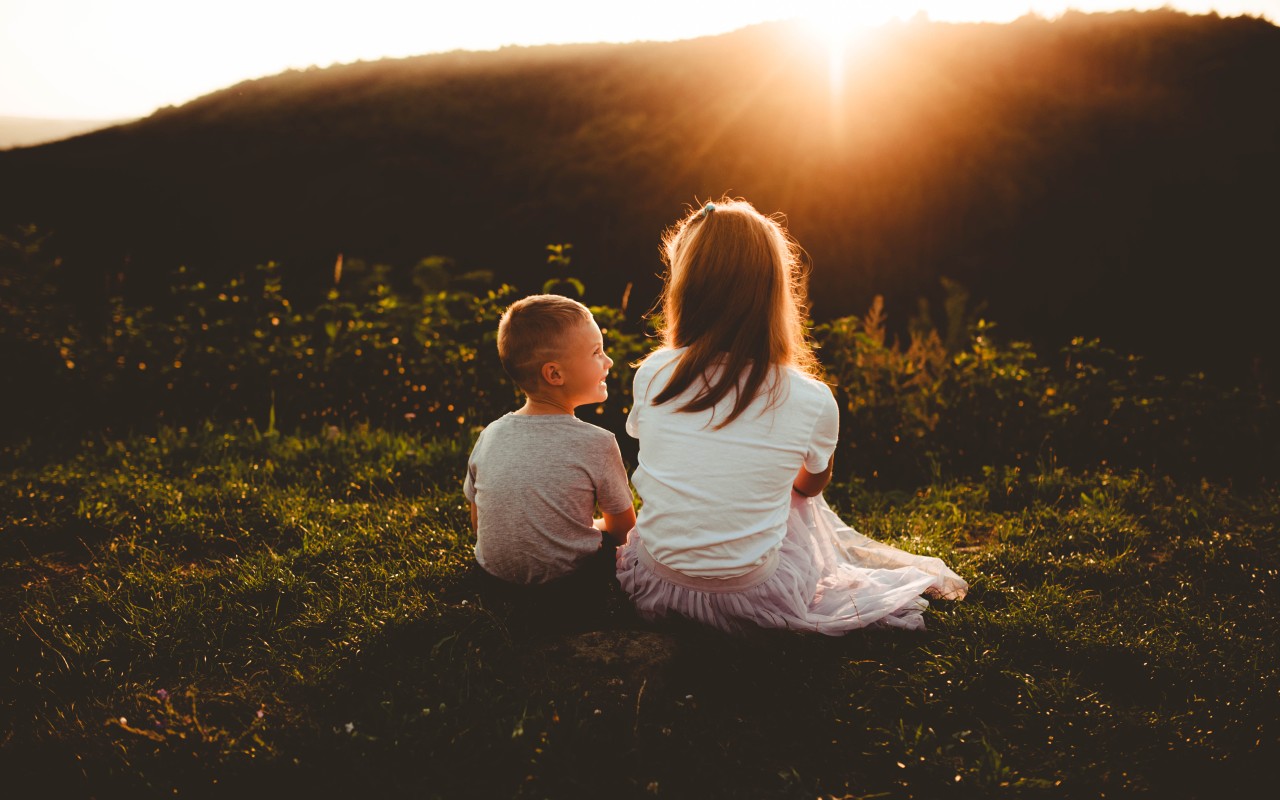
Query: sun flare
{"type": "Point", "coordinates": [842, 27]}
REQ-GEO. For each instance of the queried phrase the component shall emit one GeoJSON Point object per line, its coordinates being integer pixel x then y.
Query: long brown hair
{"type": "Point", "coordinates": [734, 295]}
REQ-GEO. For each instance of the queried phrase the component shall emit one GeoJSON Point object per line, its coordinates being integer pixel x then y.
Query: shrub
{"type": "Point", "coordinates": [422, 353]}
{"type": "Point", "coordinates": [416, 347]}
{"type": "Point", "coordinates": [913, 413]}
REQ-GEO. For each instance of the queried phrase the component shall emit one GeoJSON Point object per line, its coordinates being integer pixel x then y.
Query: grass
{"type": "Point", "coordinates": [215, 611]}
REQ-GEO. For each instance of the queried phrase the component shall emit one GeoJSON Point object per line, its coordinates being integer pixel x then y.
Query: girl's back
{"type": "Point", "coordinates": [716, 499]}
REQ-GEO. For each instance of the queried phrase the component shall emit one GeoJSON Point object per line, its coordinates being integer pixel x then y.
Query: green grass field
{"type": "Point", "coordinates": [222, 612]}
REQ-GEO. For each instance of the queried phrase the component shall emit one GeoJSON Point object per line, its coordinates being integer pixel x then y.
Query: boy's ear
{"type": "Point", "coordinates": [551, 374]}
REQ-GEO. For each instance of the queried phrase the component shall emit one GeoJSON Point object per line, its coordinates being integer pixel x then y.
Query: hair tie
{"type": "Point", "coordinates": [707, 209]}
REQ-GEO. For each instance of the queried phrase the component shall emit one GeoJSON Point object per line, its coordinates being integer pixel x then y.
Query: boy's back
{"type": "Point", "coordinates": [535, 480]}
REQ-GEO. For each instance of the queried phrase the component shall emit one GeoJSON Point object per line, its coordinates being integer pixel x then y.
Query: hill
{"type": "Point", "coordinates": [1106, 174]}
{"type": "Point", "coordinates": [28, 131]}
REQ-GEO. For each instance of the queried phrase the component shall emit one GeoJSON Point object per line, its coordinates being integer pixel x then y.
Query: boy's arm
{"type": "Point", "coordinates": [617, 525]}
{"type": "Point", "coordinates": [613, 490]}
{"type": "Point", "coordinates": [469, 482]}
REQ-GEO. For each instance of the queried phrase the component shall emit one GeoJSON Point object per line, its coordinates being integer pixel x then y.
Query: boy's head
{"type": "Point", "coordinates": [533, 331]}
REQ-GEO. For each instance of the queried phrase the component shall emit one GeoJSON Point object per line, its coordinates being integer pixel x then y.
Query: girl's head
{"type": "Point", "coordinates": [734, 294]}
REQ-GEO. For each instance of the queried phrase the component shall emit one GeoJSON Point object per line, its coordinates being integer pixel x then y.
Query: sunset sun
{"type": "Point", "coordinates": [842, 28]}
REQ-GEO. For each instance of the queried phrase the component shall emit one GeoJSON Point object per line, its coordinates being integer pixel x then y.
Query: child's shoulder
{"type": "Point", "coordinates": [595, 433]}
{"type": "Point", "coordinates": [652, 364]}
{"type": "Point", "coordinates": [809, 386]}
{"type": "Point", "coordinates": [555, 426]}
{"type": "Point", "coordinates": [494, 425]}
{"type": "Point", "coordinates": [659, 358]}
{"type": "Point", "coordinates": [570, 439]}
{"type": "Point", "coordinates": [543, 439]}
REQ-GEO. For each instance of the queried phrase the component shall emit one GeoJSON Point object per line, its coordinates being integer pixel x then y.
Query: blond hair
{"type": "Point", "coordinates": [734, 295]}
{"type": "Point", "coordinates": [530, 334]}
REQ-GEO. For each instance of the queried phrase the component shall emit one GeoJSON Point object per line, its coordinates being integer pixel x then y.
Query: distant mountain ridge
{"type": "Point", "coordinates": [1102, 174]}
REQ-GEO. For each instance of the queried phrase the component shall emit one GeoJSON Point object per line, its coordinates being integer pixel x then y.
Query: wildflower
{"type": "Point", "coordinates": [163, 694]}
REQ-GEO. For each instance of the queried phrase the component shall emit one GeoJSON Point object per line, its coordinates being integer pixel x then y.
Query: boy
{"type": "Point", "coordinates": [536, 475]}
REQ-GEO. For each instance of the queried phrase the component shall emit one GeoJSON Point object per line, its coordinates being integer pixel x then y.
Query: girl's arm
{"type": "Point", "coordinates": [475, 519]}
{"type": "Point", "coordinates": [811, 484]}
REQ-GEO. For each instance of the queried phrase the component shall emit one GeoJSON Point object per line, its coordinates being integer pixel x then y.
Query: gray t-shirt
{"type": "Point", "coordinates": [536, 481]}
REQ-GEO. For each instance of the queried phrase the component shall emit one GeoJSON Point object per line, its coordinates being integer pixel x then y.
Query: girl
{"type": "Point", "coordinates": [736, 443]}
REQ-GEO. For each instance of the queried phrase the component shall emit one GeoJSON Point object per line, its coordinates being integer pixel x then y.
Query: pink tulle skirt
{"type": "Point", "coordinates": [826, 578]}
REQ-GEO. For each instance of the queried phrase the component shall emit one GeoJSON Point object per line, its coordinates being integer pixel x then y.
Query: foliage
{"type": "Point", "coordinates": [415, 348]}
{"type": "Point", "coordinates": [214, 611]}
{"type": "Point", "coordinates": [558, 258]}
{"type": "Point", "coordinates": [914, 413]}
{"type": "Point", "coordinates": [38, 328]}
{"type": "Point", "coordinates": [410, 347]}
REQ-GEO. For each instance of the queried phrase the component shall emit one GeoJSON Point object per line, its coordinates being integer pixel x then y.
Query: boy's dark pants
{"type": "Point", "coordinates": [579, 601]}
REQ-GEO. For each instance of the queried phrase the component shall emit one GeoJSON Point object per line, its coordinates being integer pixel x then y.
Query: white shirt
{"type": "Point", "coordinates": [716, 500]}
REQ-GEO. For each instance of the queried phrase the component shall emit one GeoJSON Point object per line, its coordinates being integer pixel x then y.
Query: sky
{"type": "Point", "coordinates": [117, 59]}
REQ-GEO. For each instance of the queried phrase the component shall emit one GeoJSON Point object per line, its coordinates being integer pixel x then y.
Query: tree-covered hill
{"type": "Point", "coordinates": [1106, 174]}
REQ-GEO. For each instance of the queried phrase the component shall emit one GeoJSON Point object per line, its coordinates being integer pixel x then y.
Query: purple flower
{"type": "Point", "coordinates": [163, 694]}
